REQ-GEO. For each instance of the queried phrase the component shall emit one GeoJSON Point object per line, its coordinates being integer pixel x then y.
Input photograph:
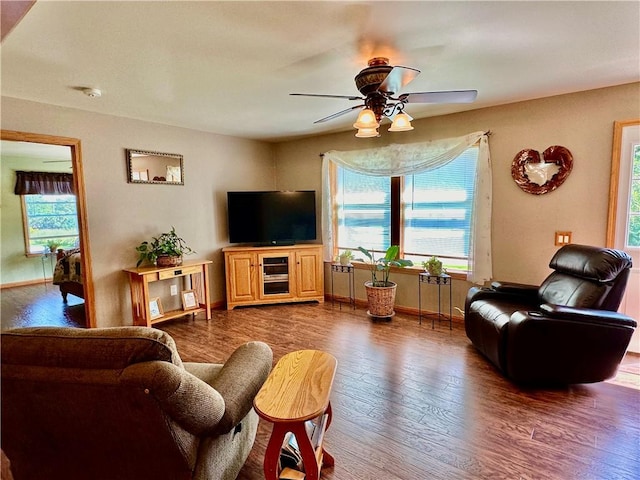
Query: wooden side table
{"type": "Point", "coordinates": [297, 390]}
{"type": "Point", "coordinates": [197, 273]}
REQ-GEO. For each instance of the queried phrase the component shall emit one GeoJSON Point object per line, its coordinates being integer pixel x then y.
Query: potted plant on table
{"type": "Point", "coordinates": [345, 257]}
{"type": "Point", "coordinates": [165, 250]}
{"type": "Point", "coordinates": [433, 266]}
{"type": "Point", "coordinates": [381, 292]}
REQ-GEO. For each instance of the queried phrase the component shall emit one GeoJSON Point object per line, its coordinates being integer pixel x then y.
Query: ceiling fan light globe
{"type": "Point", "coordinates": [367, 133]}
{"type": "Point", "coordinates": [401, 123]}
{"type": "Point", "coordinates": [366, 120]}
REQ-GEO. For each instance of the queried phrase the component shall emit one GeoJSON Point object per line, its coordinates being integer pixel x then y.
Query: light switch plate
{"type": "Point", "coordinates": [563, 238]}
{"type": "Point", "coordinates": [174, 290]}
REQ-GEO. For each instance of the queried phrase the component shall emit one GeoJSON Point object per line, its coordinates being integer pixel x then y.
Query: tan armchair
{"type": "Point", "coordinates": [119, 403]}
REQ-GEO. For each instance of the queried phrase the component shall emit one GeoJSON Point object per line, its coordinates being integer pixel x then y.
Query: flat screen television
{"type": "Point", "coordinates": [271, 218]}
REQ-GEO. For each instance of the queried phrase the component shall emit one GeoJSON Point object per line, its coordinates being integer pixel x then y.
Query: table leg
{"type": "Point", "coordinates": [352, 287]}
{"type": "Point", "coordinates": [333, 297]}
{"type": "Point", "coordinates": [419, 301]}
{"type": "Point", "coordinates": [307, 452]}
{"type": "Point", "coordinates": [450, 309]}
{"type": "Point", "coordinates": [327, 458]}
{"type": "Point", "coordinates": [272, 454]}
{"type": "Point", "coordinates": [439, 306]}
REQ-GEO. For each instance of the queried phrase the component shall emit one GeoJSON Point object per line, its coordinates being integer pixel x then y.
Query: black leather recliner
{"type": "Point", "coordinates": [566, 330]}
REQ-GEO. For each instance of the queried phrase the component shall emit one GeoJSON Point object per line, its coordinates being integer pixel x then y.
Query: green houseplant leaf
{"type": "Point", "coordinates": [381, 267]}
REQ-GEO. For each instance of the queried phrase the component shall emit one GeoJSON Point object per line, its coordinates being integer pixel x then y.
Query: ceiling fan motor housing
{"type": "Point", "coordinates": [370, 78]}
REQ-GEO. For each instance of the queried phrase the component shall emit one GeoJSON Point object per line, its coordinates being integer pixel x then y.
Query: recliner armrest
{"type": "Point", "coordinates": [512, 288]}
{"type": "Point", "coordinates": [515, 292]}
{"type": "Point", "coordinates": [587, 315]}
{"type": "Point", "coordinates": [240, 379]}
{"type": "Point", "coordinates": [188, 400]}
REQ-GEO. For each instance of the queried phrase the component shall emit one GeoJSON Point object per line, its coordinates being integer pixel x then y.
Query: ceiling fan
{"type": "Point", "coordinates": [380, 83]}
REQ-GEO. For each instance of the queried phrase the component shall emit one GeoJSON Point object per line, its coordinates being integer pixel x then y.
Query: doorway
{"type": "Point", "coordinates": [36, 141]}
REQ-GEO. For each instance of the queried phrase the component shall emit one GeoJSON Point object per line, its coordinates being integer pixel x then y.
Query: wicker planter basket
{"type": "Point", "coordinates": [381, 300]}
{"type": "Point", "coordinates": [168, 261]}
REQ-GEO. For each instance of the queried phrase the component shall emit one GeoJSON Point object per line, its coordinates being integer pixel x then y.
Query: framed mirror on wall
{"type": "Point", "coordinates": [144, 166]}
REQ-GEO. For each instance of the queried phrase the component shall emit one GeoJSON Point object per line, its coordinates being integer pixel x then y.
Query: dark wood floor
{"type": "Point", "coordinates": [414, 403]}
{"type": "Point", "coordinates": [40, 304]}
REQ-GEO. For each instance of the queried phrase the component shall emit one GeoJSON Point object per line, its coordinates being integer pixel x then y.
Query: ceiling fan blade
{"type": "Point", "coordinates": [398, 77]}
{"type": "Point", "coordinates": [451, 96]}
{"type": "Point", "coordinates": [348, 97]}
{"type": "Point", "coordinates": [340, 113]}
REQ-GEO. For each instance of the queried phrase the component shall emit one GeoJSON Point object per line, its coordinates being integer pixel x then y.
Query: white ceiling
{"type": "Point", "coordinates": [35, 150]}
{"type": "Point", "coordinates": [228, 67]}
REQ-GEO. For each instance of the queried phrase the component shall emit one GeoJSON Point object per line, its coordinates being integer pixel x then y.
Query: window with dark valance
{"type": "Point", "coordinates": [44, 183]}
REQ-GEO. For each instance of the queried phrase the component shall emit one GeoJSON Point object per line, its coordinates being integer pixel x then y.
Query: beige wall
{"type": "Point", "coordinates": [121, 215]}
{"type": "Point", "coordinates": [523, 224]}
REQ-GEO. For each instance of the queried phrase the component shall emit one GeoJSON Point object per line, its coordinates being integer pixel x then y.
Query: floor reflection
{"type": "Point", "coordinates": [40, 305]}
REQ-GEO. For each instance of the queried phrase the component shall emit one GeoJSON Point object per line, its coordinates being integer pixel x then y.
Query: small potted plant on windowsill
{"type": "Point", "coordinates": [381, 292]}
{"type": "Point", "coordinates": [52, 245]}
{"type": "Point", "coordinates": [165, 250]}
{"type": "Point", "coordinates": [345, 257]}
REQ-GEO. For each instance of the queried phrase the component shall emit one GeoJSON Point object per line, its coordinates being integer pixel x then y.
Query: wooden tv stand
{"type": "Point", "coordinates": [267, 275]}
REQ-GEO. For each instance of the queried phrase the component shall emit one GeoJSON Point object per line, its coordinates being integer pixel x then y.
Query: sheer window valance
{"type": "Point", "coordinates": [408, 159]}
{"type": "Point", "coordinates": [44, 183]}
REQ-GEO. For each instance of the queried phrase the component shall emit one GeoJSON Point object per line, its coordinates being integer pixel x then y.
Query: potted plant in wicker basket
{"type": "Point", "coordinates": [381, 292]}
{"type": "Point", "coordinates": [165, 250]}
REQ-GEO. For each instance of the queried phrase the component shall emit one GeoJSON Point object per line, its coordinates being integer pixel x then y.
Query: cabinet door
{"type": "Point", "coordinates": [241, 268]}
{"type": "Point", "coordinates": [274, 276]}
{"type": "Point", "coordinates": [309, 274]}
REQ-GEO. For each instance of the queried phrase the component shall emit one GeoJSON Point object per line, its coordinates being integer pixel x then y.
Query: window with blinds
{"type": "Point", "coordinates": [362, 209]}
{"type": "Point", "coordinates": [437, 208]}
{"type": "Point", "coordinates": [49, 219]}
{"type": "Point", "coordinates": [433, 217]}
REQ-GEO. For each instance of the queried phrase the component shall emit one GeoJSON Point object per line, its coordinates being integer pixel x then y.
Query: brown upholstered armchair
{"type": "Point", "coordinates": [119, 403]}
{"type": "Point", "coordinates": [564, 331]}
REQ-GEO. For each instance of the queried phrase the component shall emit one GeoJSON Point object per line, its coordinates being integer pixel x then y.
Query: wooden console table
{"type": "Point", "coordinates": [197, 273]}
{"type": "Point", "coordinates": [296, 391]}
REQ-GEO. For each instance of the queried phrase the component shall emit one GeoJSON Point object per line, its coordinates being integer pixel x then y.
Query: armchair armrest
{"type": "Point", "coordinates": [589, 315]}
{"type": "Point", "coordinates": [240, 379]}
{"type": "Point", "coordinates": [188, 400]}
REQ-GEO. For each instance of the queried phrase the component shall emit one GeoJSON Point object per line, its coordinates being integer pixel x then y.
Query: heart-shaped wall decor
{"type": "Point", "coordinates": [539, 175]}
